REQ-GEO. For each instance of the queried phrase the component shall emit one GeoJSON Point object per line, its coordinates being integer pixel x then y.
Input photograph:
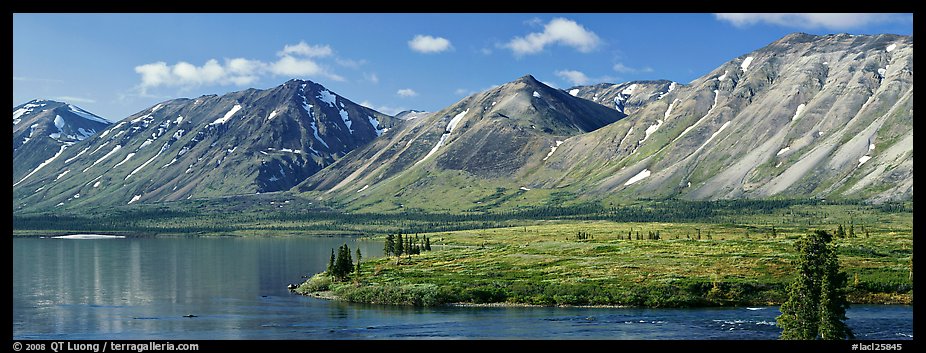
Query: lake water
{"type": "Point", "coordinates": [142, 288]}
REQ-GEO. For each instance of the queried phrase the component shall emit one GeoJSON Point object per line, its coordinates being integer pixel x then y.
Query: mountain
{"type": "Point", "coordinates": [495, 136]}
{"type": "Point", "coordinates": [246, 142]}
{"type": "Point", "coordinates": [44, 129]}
{"type": "Point", "coordinates": [804, 117]}
{"type": "Point", "coordinates": [411, 114]}
{"type": "Point", "coordinates": [625, 97]}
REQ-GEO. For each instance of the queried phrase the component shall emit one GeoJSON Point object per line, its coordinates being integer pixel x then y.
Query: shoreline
{"type": "Point", "coordinates": [329, 295]}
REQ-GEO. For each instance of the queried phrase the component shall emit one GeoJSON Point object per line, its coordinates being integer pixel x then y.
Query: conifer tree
{"type": "Point", "coordinates": [399, 246]}
{"type": "Point", "coordinates": [330, 268]}
{"type": "Point", "coordinates": [389, 245]}
{"type": "Point", "coordinates": [817, 303]}
{"type": "Point", "coordinates": [427, 243]}
{"type": "Point", "coordinates": [358, 262]}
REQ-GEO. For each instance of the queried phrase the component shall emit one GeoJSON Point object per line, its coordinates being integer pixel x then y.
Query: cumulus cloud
{"type": "Point", "coordinates": [624, 69]}
{"type": "Point", "coordinates": [832, 21]}
{"type": "Point", "coordinates": [388, 110]}
{"type": "Point", "coordinates": [558, 31]}
{"type": "Point", "coordinates": [429, 45]}
{"type": "Point", "coordinates": [71, 99]}
{"type": "Point", "coordinates": [297, 60]}
{"type": "Point", "coordinates": [406, 92]}
{"type": "Point", "coordinates": [575, 77]}
{"type": "Point", "coordinates": [304, 49]}
{"type": "Point", "coordinates": [291, 66]}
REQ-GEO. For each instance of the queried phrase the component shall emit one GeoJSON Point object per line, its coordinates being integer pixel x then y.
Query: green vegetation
{"type": "Point", "coordinates": [594, 263]}
{"type": "Point", "coordinates": [816, 305]}
{"type": "Point", "coordinates": [340, 266]}
{"type": "Point", "coordinates": [287, 214]}
{"type": "Point", "coordinates": [659, 253]}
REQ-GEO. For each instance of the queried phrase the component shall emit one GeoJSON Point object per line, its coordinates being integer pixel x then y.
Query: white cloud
{"type": "Point", "coordinates": [353, 64]}
{"type": "Point", "coordinates": [36, 79]}
{"type": "Point", "coordinates": [832, 21]}
{"type": "Point", "coordinates": [624, 69]}
{"type": "Point", "coordinates": [575, 77]}
{"type": "Point", "coordinates": [373, 78]}
{"type": "Point", "coordinates": [70, 99]}
{"type": "Point", "coordinates": [290, 66]}
{"type": "Point", "coordinates": [294, 61]}
{"type": "Point", "coordinates": [429, 45]}
{"type": "Point", "coordinates": [383, 108]}
{"type": "Point", "coordinates": [304, 49]}
{"type": "Point", "coordinates": [558, 31]}
{"type": "Point", "coordinates": [406, 92]}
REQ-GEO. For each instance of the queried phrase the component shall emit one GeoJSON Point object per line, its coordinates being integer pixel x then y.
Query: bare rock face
{"type": "Point", "coordinates": [805, 117]}
{"type": "Point", "coordinates": [245, 142]}
{"type": "Point", "coordinates": [501, 133]}
{"type": "Point", "coordinates": [625, 97]}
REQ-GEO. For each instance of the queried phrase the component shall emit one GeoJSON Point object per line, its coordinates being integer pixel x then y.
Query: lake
{"type": "Point", "coordinates": [143, 288]}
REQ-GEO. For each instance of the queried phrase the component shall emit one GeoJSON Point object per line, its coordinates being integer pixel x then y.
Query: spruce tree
{"type": "Point", "coordinates": [358, 262]}
{"type": "Point", "coordinates": [833, 303]}
{"type": "Point", "coordinates": [389, 244]}
{"type": "Point", "coordinates": [427, 243]}
{"type": "Point", "coordinates": [408, 246]}
{"type": "Point", "coordinates": [330, 268]}
{"type": "Point", "coordinates": [817, 303]}
{"type": "Point", "coordinates": [399, 246]}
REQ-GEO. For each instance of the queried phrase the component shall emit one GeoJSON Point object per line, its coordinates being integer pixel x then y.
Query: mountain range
{"type": "Point", "coordinates": [804, 117]}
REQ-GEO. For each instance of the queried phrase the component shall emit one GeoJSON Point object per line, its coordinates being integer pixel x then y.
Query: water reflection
{"type": "Point", "coordinates": [236, 288]}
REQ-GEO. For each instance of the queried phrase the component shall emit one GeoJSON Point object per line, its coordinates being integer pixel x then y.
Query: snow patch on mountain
{"type": "Point", "coordinates": [709, 111]}
{"type": "Point", "coordinates": [800, 108]}
{"type": "Point", "coordinates": [671, 88]}
{"type": "Point", "coordinates": [346, 118]}
{"type": "Point", "coordinates": [327, 97]}
{"type": "Point", "coordinates": [127, 158]}
{"type": "Point", "coordinates": [375, 124]}
{"type": "Point", "coordinates": [553, 149]}
{"type": "Point", "coordinates": [143, 165]}
{"type": "Point", "coordinates": [745, 64]}
{"type": "Point", "coordinates": [317, 136]}
{"type": "Point", "coordinates": [709, 139]}
{"type": "Point", "coordinates": [113, 151]}
{"type": "Point", "coordinates": [42, 165]}
{"type": "Point", "coordinates": [227, 116]}
{"type": "Point", "coordinates": [640, 176]}
{"type": "Point", "coordinates": [443, 138]}
{"type": "Point", "coordinates": [25, 109]}
{"type": "Point", "coordinates": [62, 174]}
{"type": "Point", "coordinates": [86, 115]}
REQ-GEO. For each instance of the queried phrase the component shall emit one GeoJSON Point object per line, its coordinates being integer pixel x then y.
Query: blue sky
{"type": "Point", "coordinates": [116, 64]}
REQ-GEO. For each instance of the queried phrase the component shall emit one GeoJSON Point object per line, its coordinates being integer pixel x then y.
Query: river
{"type": "Point", "coordinates": [235, 288]}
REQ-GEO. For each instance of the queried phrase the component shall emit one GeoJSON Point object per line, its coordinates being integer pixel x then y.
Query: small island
{"type": "Point", "coordinates": [603, 263]}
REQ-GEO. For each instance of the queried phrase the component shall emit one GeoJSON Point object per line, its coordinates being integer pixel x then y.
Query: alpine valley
{"type": "Point", "coordinates": [806, 117]}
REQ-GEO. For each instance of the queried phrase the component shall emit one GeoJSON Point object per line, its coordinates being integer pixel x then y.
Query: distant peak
{"type": "Point", "coordinates": [528, 79]}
